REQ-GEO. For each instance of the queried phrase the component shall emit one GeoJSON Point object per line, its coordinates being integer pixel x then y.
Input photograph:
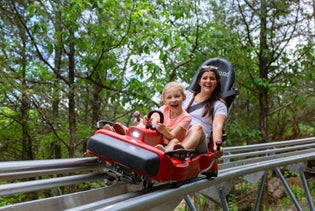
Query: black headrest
{"type": "Point", "coordinates": [226, 72]}
{"type": "Point", "coordinates": [227, 77]}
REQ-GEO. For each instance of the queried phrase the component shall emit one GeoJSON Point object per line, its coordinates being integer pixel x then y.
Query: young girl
{"type": "Point", "coordinates": [176, 119]}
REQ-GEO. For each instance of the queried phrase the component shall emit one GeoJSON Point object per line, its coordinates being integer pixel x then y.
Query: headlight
{"type": "Point", "coordinates": [135, 134]}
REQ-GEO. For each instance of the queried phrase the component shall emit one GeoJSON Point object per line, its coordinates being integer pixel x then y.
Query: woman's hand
{"type": "Point", "coordinates": [218, 151]}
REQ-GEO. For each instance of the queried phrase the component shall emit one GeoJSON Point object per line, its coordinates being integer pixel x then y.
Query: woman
{"type": "Point", "coordinates": [208, 111]}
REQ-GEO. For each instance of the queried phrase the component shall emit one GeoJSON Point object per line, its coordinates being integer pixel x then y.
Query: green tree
{"type": "Point", "coordinates": [269, 32]}
{"type": "Point", "coordinates": [14, 73]}
{"type": "Point", "coordinates": [82, 61]}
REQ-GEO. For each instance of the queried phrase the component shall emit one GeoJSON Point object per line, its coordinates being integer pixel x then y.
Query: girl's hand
{"type": "Point", "coordinates": [146, 121]}
{"type": "Point", "coordinates": [160, 128]}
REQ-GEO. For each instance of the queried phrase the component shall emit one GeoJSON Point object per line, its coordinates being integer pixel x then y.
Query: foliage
{"type": "Point", "coordinates": [243, 196]}
{"type": "Point", "coordinates": [269, 63]}
{"type": "Point", "coordinates": [67, 64]}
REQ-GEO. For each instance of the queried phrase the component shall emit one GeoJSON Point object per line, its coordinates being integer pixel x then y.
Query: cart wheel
{"type": "Point", "coordinates": [211, 174]}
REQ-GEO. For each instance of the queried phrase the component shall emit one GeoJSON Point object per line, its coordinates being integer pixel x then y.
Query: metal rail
{"type": "Point", "coordinates": [249, 162]}
{"type": "Point", "coordinates": [154, 199]}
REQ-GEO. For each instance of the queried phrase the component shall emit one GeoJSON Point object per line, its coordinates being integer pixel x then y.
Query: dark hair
{"type": "Point", "coordinates": [216, 95]}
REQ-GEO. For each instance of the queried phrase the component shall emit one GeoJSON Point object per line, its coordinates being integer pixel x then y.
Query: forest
{"type": "Point", "coordinates": [65, 64]}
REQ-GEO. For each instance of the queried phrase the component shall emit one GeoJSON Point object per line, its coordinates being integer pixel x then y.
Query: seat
{"type": "Point", "coordinates": [227, 76]}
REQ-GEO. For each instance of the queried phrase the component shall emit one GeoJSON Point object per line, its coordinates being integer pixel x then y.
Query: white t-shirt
{"type": "Point", "coordinates": [206, 122]}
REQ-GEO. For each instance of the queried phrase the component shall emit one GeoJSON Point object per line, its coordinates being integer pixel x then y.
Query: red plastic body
{"type": "Point", "coordinates": [140, 141]}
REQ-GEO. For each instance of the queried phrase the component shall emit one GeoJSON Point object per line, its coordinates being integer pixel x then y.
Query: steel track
{"type": "Point", "coordinates": [238, 162]}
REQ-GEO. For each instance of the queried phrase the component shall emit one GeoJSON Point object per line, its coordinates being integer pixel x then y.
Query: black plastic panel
{"type": "Point", "coordinates": [124, 153]}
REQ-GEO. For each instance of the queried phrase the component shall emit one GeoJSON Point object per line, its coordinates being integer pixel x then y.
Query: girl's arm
{"type": "Point", "coordinates": [174, 133]}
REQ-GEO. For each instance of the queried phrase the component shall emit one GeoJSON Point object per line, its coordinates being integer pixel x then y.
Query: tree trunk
{"type": "Point", "coordinates": [263, 70]}
{"type": "Point", "coordinates": [71, 97]}
{"type": "Point", "coordinates": [55, 145]}
{"type": "Point", "coordinates": [263, 87]}
{"type": "Point", "coordinates": [96, 104]}
{"type": "Point", "coordinates": [27, 152]}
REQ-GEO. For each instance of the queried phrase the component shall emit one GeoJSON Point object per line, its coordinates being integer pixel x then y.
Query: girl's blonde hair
{"type": "Point", "coordinates": [175, 85]}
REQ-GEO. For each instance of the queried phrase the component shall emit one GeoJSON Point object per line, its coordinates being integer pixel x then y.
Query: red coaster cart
{"type": "Point", "coordinates": [133, 158]}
